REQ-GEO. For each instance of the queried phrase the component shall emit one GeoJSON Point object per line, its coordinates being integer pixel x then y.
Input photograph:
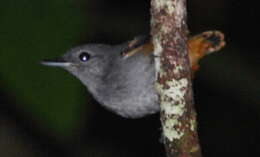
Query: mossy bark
{"type": "Point", "coordinates": [178, 116]}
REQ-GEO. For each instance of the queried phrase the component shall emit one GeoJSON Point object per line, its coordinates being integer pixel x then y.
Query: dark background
{"type": "Point", "coordinates": [47, 112]}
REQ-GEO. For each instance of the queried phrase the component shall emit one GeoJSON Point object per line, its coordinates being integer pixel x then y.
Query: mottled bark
{"type": "Point", "coordinates": [178, 116]}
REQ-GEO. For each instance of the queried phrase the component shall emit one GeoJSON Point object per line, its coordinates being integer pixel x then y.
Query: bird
{"type": "Point", "coordinates": [122, 77]}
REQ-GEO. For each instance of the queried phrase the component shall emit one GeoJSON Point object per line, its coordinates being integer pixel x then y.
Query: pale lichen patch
{"type": "Point", "coordinates": [192, 124]}
{"type": "Point", "coordinates": [172, 133]}
{"type": "Point", "coordinates": [175, 89]}
{"type": "Point", "coordinates": [177, 69]}
{"type": "Point", "coordinates": [170, 6]}
{"type": "Point", "coordinates": [173, 105]}
{"type": "Point", "coordinates": [180, 13]}
{"type": "Point", "coordinates": [165, 28]}
{"type": "Point", "coordinates": [161, 4]}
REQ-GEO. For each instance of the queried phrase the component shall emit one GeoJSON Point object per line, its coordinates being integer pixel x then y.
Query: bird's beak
{"type": "Point", "coordinates": [58, 62]}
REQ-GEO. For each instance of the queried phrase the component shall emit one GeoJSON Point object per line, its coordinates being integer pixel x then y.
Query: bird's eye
{"type": "Point", "coordinates": [84, 56]}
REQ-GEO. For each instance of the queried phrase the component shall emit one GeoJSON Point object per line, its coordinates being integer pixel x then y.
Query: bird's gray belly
{"type": "Point", "coordinates": [133, 102]}
{"type": "Point", "coordinates": [132, 93]}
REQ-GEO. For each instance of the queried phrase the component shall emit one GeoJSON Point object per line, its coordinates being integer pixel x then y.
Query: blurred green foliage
{"type": "Point", "coordinates": [30, 31]}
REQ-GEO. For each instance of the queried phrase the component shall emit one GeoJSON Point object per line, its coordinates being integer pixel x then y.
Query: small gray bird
{"type": "Point", "coordinates": [122, 85]}
{"type": "Point", "coordinates": [123, 82]}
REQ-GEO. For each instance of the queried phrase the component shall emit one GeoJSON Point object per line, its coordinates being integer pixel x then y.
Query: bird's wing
{"type": "Point", "coordinates": [140, 44]}
{"type": "Point", "coordinates": [198, 46]}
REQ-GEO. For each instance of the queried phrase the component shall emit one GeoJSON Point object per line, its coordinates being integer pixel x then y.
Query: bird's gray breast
{"type": "Point", "coordinates": [130, 86]}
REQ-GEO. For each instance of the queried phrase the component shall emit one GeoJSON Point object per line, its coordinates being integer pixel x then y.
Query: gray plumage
{"type": "Point", "coordinates": [124, 86]}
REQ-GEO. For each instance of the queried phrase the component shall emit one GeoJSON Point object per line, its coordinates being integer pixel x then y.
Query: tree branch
{"type": "Point", "coordinates": [178, 116]}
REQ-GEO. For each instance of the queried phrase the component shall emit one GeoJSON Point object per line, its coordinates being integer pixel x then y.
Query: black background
{"type": "Point", "coordinates": [226, 87]}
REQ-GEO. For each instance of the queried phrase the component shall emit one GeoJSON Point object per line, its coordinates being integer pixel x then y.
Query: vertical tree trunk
{"type": "Point", "coordinates": [178, 116]}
